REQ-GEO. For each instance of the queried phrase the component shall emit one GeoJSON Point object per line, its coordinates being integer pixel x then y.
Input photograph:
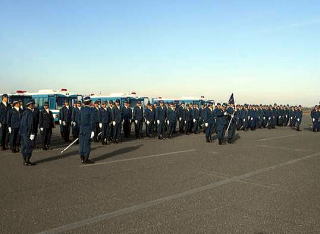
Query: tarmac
{"type": "Point", "coordinates": [268, 181]}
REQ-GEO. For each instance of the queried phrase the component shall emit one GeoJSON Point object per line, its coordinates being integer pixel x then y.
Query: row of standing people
{"type": "Point", "coordinates": [11, 124]}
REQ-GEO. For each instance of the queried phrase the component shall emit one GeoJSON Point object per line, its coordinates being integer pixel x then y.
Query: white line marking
{"type": "Point", "coordinates": [283, 148]}
{"type": "Point", "coordinates": [148, 204]}
{"type": "Point", "coordinates": [139, 158]}
{"type": "Point", "coordinates": [278, 137]}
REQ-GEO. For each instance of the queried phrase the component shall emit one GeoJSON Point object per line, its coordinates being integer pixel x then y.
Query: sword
{"type": "Point", "coordinates": [230, 123]}
{"type": "Point", "coordinates": [72, 143]}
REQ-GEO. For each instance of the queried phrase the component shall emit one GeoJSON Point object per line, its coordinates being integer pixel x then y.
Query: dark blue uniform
{"type": "Point", "coordinates": [117, 121]}
{"type": "Point", "coordinates": [96, 117]}
{"type": "Point", "coordinates": [209, 121]}
{"type": "Point", "coordinates": [46, 123]}
{"type": "Point", "coordinates": [14, 117]}
{"type": "Point", "coordinates": [127, 118]}
{"type": "Point", "coordinates": [26, 130]}
{"type": "Point", "coordinates": [66, 118]}
{"type": "Point", "coordinates": [161, 115]}
{"type": "Point", "coordinates": [138, 120]}
{"type": "Point", "coordinates": [4, 125]}
{"type": "Point", "coordinates": [105, 120]}
{"type": "Point", "coordinates": [188, 121]}
{"type": "Point", "coordinates": [149, 115]}
{"type": "Point", "coordinates": [181, 118]}
{"type": "Point", "coordinates": [87, 125]}
{"type": "Point", "coordinates": [196, 120]}
{"type": "Point", "coordinates": [231, 121]}
{"type": "Point", "coordinates": [75, 122]}
{"type": "Point", "coordinates": [172, 118]}
{"type": "Point", "coordinates": [220, 124]}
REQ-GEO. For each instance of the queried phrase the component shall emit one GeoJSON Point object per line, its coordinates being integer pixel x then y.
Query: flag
{"type": "Point", "coordinates": [231, 99]}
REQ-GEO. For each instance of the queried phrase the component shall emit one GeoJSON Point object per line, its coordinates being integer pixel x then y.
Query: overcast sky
{"type": "Point", "coordinates": [262, 51]}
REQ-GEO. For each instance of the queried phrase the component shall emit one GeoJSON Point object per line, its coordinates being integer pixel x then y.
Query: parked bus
{"type": "Point", "coordinates": [178, 101]}
{"type": "Point", "coordinates": [55, 99]}
{"type": "Point", "coordinates": [131, 98]}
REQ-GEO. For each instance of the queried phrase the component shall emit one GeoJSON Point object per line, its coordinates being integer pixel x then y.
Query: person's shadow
{"type": "Point", "coordinates": [117, 152]}
{"type": "Point", "coordinates": [62, 156]}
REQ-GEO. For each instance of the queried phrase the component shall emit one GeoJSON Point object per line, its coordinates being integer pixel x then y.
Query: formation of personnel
{"type": "Point", "coordinates": [268, 116]}
{"type": "Point", "coordinates": [109, 122]}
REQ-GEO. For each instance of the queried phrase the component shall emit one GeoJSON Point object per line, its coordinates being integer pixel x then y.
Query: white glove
{"type": "Point", "coordinates": [279, 117]}
{"type": "Point", "coordinates": [136, 121]}
{"type": "Point", "coordinates": [298, 119]}
{"type": "Point", "coordinates": [185, 121]}
{"type": "Point", "coordinates": [225, 113]}
{"type": "Point", "coordinates": [269, 118]}
{"type": "Point", "coordinates": [9, 129]}
{"type": "Point", "coordinates": [264, 117]}
{"type": "Point", "coordinates": [74, 124]}
{"type": "Point", "coordinates": [291, 118]}
{"type": "Point", "coordinates": [92, 135]}
{"type": "Point", "coordinates": [313, 119]}
{"type": "Point", "coordinates": [158, 121]}
{"type": "Point", "coordinates": [206, 124]}
{"type": "Point", "coordinates": [100, 125]}
{"type": "Point", "coordinates": [60, 121]}
{"type": "Point", "coordinates": [248, 117]}
{"type": "Point", "coordinates": [32, 137]}
{"type": "Point", "coordinates": [114, 123]}
{"type": "Point", "coordinates": [244, 120]}
{"type": "Point", "coordinates": [286, 116]}
{"type": "Point", "coordinates": [168, 121]}
{"type": "Point", "coordinates": [180, 119]}
{"type": "Point", "coordinates": [64, 123]}
{"type": "Point", "coordinates": [194, 120]}
{"type": "Point", "coordinates": [251, 118]}
{"type": "Point", "coordinates": [148, 122]}
{"type": "Point", "coordinates": [41, 129]}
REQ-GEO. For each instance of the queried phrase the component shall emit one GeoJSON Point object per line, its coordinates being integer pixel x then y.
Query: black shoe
{"type": "Point", "coordinates": [31, 163]}
{"type": "Point", "coordinates": [220, 142]}
{"type": "Point", "coordinates": [88, 161]}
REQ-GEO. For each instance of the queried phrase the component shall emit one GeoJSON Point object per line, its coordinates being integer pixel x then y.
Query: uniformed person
{"type": "Point", "coordinates": [231, 121]}
{"type": "Point", "coordinates": [14, 117]}
{"type": "Point", "coordinates": [27, 133]}
{"type": "Point", "coordinates": [46, 123]}
{"type": "Point", "coordinates": [149, 116]}
{"type": "Point", "coordinates": [116, 121]}
{"type": "Point", "coordinates": [171, 120]}
{"type": "Point", "coordinates": [87, 126]}
{"type": "Point", "coordinates": [209, 120]}
{"type": "Point", "coordinates": [161, 116]}
{"type": "Point", "coordinates": [196, 119]}
{"type": "Point", "coordinates": [75, 120]}
{"type": "Point", "coordinates": [105, 120]}
{"type": "Point", "coordinates": [188, 120]}
{"type": "Point", "coordinates": [96, 110]}
{"type": "Point", "coordinates": [65, 121]}
{"type": "Point", "coordinates": [298, 116]}
{"type": "Point", "coordinates": [315, 116]}
{"type": "Point", "coordinates": [127, 119]}
{"type": "Point", "coordinates": [4, 108]}
{"type": "Point", "coordinates": [182, 117]}
{"type": "Point", "coordinates": [138, 119]}
{"type": "Point", "coordinates": [220, 122]}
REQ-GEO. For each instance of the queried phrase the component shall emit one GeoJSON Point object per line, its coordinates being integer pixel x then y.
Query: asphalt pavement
{"type": "Point", "coordinates": [268, 181]}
